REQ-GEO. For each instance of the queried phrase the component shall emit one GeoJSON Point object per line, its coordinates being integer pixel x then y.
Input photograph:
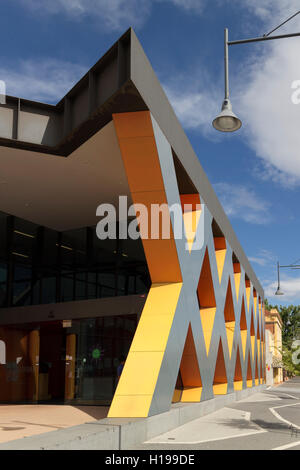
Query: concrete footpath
{"type": "Point", "coordinates": [19, 421]}
{"type": "Point", "coordinates": [116, 434]}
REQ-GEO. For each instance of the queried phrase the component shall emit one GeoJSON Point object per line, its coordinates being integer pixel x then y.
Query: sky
{"type": "Point", "coordinates": [47, 45]}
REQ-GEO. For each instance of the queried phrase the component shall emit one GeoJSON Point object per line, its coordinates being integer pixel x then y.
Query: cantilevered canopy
{"type": "Point", "coordinates": [63, 193]}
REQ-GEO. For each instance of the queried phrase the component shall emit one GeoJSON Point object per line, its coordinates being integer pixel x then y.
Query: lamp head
{"type": "Point", "coordinates": [279, 291]}
{"type": "Point", "coordinates": [227, 121]}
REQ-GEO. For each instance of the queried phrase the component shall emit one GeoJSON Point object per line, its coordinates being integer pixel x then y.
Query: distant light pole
{"type": "Point", "coordinates": [292, 266]}
{"type": "Point", "coordinates": [227, 121]}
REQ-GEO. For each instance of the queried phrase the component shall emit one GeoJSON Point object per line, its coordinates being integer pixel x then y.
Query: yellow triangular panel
{"type": "Point", "coordinates": [243, 328]}
{"type": "Point", "coordinates": [220, 383]}
{"type": "Point", "coordinates": [255, 304]}
{"type": "Point", "coordinates": [244, 341]}
{"type": "Point", "coordinates": [229, 317]}
{"type": "Point", "coordinates": [252, 345]}
{"type": "Point", "coordinates": [248, 292]}
{"type": "Point", "coordinates": [220, 258]}
{"type": "Point", "coordinates": [189, 371]}
{"type": "Point", "coordinates": [207, 318]}
{"type": "Point", "coordinates": [191, 212]}
{"type": "Point", "coordinates": [237, 280]}
{"type": "Point", "coordinates": [230, 326]}
{"type": "Point", "coordinates": [191, 220]}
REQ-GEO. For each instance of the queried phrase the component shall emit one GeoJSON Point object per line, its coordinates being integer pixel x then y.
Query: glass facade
{"type": "Point", "coordinates": [40, 266]}
{"type": "Point", "coordinates": [76, 360]}
{"type": "Point", "coordinates": [101, 345]}
{"type": "Point", "coordinates": [73, 361]}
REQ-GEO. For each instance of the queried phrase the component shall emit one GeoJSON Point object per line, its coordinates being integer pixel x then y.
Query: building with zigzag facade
{"type": "Point", "coordinates": [185, 323]}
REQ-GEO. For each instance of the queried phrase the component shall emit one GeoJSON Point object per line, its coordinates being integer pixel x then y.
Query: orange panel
{"type": "Point", "coordinates": [141, 161]}
{"type": "Point", "coordinates": [252, 330]}
{"type": "Point", "coordinates": [189, 368]}
{"type": "Point", "coordinates": [243, 321]}
{"type": "Point", "coordinates": [238, 375]}
{"type": "Point", "coordinates": [220, 243]}
{"type": "Point", "coordinates": [190, 199]}
{"type": "Point", "coordinates": [155, 225]}
{"type": "Point", "coordinates": [237, 277]}
{"type": "Point", "coordinates": [249, 369]}
{"type": "Point", "coordinates": [191, 208]}
{"type": "Point", "coordinates": [162, 261]}
{"type": "Point", "coordinates": [220, 370]}
{"type": "Point", "coordinates": [137, 384]}
{"type": "Point", "coordinates": [205, 289]}
{"type": "Point", "coordinates": [141, 164]}
{"type": "Point", "coordinates": [236, 268]}
{"type": "Point", "coordinates": [137, 124]}
{"type": "Point", "coordinates": [229, 309]}
{"type": "Point", "coordinates": [248, 291]}
{"type": "Point", "coordinates": [256, 373]}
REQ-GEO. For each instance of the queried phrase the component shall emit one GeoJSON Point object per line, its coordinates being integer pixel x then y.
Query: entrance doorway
{"type": "Point", "coordinates": [66, 361]}
{"type": "Point", "coordinates": [52, 362]}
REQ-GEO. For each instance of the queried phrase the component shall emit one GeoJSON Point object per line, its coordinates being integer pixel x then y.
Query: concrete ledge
{"type": "Point", "coordinates": [125, 433]}
{"type": "Point", "coordinates": [89, 436]}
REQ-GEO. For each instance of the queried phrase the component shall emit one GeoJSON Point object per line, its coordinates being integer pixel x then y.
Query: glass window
{"type": "Point", "coordinates": [49, 290]}
{"type": "Point", "coordinates": [22, 285]}
{"type": "Point", "coordinates": [3, 279]}
{"type": "Point", "coordinates": [40, 265]}
{"type": "Point", "coordinates": [101, 344]}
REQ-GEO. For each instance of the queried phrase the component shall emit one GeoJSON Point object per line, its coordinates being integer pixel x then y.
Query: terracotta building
{"type": "Point", "coordinates": [273, 322]}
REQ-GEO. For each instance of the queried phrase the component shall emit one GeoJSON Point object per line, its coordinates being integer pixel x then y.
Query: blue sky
{"type": "Point", "coordinates": [47, 45]}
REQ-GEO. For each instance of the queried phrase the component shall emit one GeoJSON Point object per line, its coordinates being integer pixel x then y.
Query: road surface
{"type": "Point", "coordinates": [266, 420]}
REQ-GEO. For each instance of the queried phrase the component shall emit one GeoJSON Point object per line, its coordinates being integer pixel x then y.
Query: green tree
{"type": "Point", "coordinates": [290, 336]}
{"type": "Point", "coordinates": [291, 322]}
{"type": "Point", "coordinates": [291, 358]}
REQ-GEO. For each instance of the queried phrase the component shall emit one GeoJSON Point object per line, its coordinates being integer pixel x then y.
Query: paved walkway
{"type": "Point", "coordinates": [18, 421]}
{"type": "Point", "coordinates": [267, 420]}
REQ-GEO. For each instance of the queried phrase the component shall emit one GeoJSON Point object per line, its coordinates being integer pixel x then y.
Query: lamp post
{"type": "Point", "coordinates": [227, 121]}
{"type": "Point", "coordinates": [292, 266]}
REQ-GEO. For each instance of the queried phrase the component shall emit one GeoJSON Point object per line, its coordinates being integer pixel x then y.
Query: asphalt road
{"type": "Point", "coordinates": [269, 420]}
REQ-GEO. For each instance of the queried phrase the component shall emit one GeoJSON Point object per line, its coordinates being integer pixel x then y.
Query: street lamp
{"type": "Point", "coordinates": [292, 266]}
{"type": "Point", "coordinates": [278, 291]}
{"type": "Point", "coordinates": [227, 121]}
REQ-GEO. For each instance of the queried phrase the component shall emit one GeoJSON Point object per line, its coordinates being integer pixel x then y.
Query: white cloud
{"type": "Point", "coordinates": [195, 109]}
{"type": "Point", "coordinates": [49, 79]}
{"type": "Point", "coordinates": [189, 5]}
{"type": "Point", "coordinates": [289, 285]}
{"type": "Point", "coordinates": [272, 12]}
{"type": "Point", "coordinates": [271, 119]}
{"type": "Point", "coordinates": [46, 80]}
{"type": "Point", "coordinates": [261, 93]}
{"type": "Point", "coordinates": [261, 96]}
{"type": "Point", "coordinates": [266, 171]}
{"type": "Point", "coordinates": [242, 203]}
{"type": "Point", "coordinates": [113, 14]}
{"type": "Point", "coordinates": [263, 258]}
